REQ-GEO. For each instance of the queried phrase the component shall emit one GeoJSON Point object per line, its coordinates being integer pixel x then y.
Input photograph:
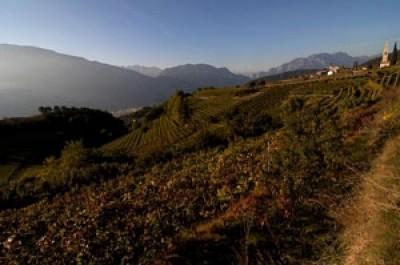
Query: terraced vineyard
{"type": "Point", "coordinates": [183, 117]}
{"type": "Point", "coordinates": [163, 131]}
{"type": "Point", "coordinates": [348, 97]}
{"type": "Point", "coordinates": [392, 114]}
{"type": "Point", "coordinates": [389, 78]}
{"type": "Point", "coordinates": [209, 105]}
{"type": "Point", "coordinates": [325, 92]}
{"type": "Point", "coordinates": [206, 109]}
{"type": "Point", "coordinates": [268, 101]}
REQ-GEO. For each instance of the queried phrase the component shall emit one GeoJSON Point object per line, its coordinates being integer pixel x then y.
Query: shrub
{"type": "Point", "coordinates": [79, 165]}
{"type": "Point", "coordinates": [249, 124]}
{"type": "Point", "coordinates": [76, 166]}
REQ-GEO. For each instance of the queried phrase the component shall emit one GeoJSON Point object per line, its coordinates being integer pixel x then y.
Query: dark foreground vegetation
{"type": "Point", "coordinates": [32, 139]}
{"type": "Point", "coordinates": [26, 142]}
{"type": "Point", "coordinates": [221, 176]}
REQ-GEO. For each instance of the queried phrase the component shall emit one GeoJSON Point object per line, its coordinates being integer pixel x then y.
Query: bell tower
{"type": "Point", "coordinates": [385, 56]}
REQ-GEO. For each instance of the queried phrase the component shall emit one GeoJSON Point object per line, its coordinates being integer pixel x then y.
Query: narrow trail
{"type": "Point", "coordinates": [372, 220]}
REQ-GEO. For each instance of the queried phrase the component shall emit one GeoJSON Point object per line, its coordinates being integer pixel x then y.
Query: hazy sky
{"type": "Point", "coordinates": [242, 35]}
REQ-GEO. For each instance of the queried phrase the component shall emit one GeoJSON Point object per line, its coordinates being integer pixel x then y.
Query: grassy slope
{"type": "Point", "coordinates": [373, 221]}
{"type": "Point", "coordinates": [371, 218]}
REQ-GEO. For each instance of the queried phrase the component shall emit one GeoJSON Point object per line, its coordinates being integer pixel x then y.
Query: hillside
{"type": "Point", "coordinates": [285, 76]}
{"type": "Point", "coordinates": [31, 77]}
{"type": "Point", "coordinates": [263, 175]}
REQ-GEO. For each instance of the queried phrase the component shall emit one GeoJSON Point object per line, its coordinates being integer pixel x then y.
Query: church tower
{"type": "Point", "coordinates": [385, 56]}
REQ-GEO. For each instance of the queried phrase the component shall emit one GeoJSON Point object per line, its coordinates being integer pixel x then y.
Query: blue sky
{"type": "Point", "coordinates": [242, 35]}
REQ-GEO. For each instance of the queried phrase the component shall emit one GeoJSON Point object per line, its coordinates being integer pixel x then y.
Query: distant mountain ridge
{"type": "Point", "coordinates": [284, 76]}
{"type": "Point", "coordinates": [31, 77]}
{"type": "Point", "coordinates": [151, 71]}
{"type": "Point", "coordinates": [200, 75]}
{"type": "Point", "coordinates": [317, 61]}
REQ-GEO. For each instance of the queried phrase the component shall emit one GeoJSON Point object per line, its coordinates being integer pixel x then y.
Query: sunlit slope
{"type": "Point", "coordinates": [184, 115]}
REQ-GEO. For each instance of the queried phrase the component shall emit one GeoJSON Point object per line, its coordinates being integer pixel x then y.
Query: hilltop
{"type": "Point", "coordinates": [260, 174]}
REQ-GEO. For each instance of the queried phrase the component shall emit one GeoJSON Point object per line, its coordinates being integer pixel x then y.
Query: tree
{"type": "Point", "coordinates": [45, 110]}
{"type": "Point", "coordinates": [393, 60]}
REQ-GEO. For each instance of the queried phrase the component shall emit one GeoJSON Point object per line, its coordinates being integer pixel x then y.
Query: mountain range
{"type": "Point", "coordinates": [31, 77]}
{"type": "Point", "coordinates": [314, 61]}
{"type": "Point", "coordinates": [194, 75]}
{"type": "Point", "coordinates": [202, 75]}
{"type": "Point", "coordinates": [151, 71]}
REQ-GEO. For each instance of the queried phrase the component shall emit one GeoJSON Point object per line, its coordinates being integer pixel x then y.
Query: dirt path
{"type": "Point", "coordinates": [372, 220]}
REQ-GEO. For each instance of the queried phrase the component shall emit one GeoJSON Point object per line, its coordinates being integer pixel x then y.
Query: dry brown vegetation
{"type": "Point", "coordinates": [372, 218]}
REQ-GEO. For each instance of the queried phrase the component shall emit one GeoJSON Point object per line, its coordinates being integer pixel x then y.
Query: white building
{"type": "Point", "coordinates": [385, 56]}
{"type": "Point", "coordinates": [333, 69]}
